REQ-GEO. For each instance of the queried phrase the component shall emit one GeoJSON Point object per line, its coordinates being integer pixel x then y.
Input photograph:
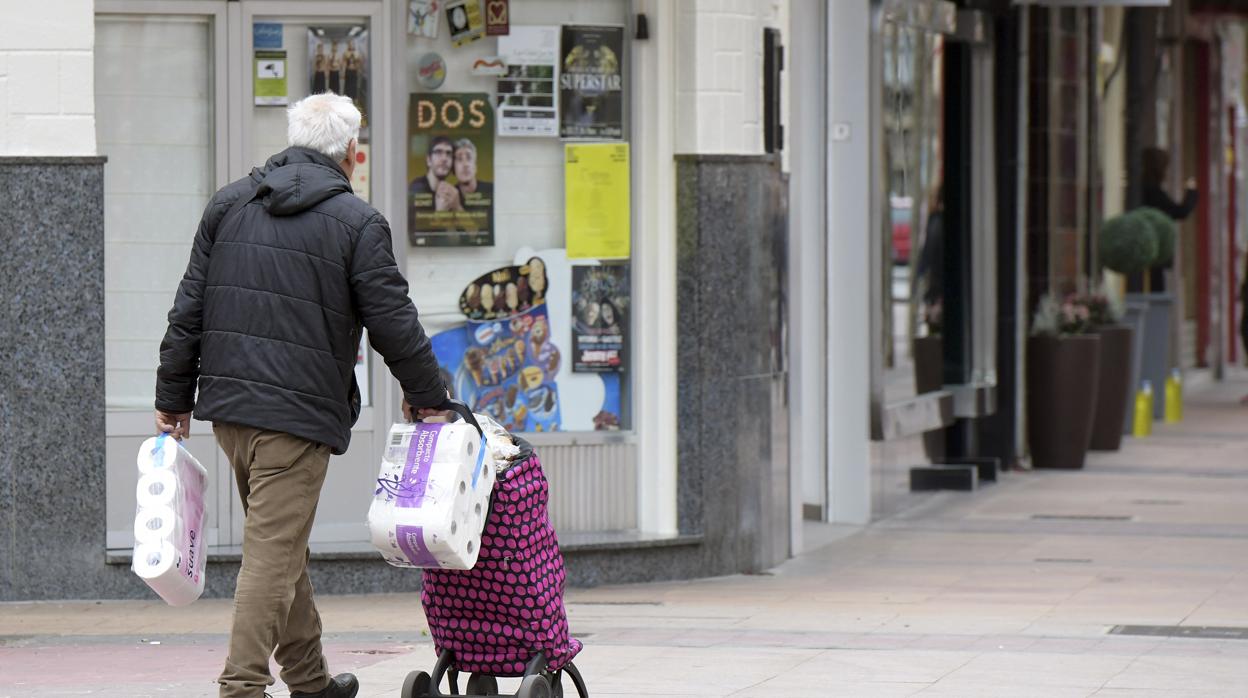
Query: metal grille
{"type": "Point", "coordinates": [592, 487]}
{"type": "Point", "coordinates": [1199, 632]}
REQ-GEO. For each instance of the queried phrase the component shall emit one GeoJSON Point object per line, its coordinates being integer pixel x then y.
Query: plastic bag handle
{"type": "Point", "coordinates": [461, 409]}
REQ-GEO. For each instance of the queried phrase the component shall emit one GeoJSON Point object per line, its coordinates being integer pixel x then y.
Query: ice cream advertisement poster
{"type": "Point", "coordinates": [505, 368]}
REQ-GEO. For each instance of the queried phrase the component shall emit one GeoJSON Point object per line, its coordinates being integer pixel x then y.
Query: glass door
{"type": "Point", "coordinates": [289, 51]}
{"type": "Point", "coordinates": [160, 96]}
{"type": "Point", "coordinates": [190, 96]}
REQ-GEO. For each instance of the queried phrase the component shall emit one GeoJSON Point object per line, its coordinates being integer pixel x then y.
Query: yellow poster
{"type": "Point", "coordinates": [596, 199]}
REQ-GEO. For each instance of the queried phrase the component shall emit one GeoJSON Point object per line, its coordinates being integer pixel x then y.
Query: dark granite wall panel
{"type": "Point", "coordinates": [52, 376]}
{"type": "Point", "coordinates": [732, 231]}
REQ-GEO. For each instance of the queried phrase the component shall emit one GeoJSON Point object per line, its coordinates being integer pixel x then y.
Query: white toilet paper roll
{"type": "Point", "coordinates": [155, 525]}
{"type": "Point", "coordinates": [157, 565]}
{"type": "Point", "coordinates": [157, 488]}
{"type": "Point", "coordinates": [158, 452]}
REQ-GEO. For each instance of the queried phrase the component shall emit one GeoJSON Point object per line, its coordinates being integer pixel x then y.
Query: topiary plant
{"type": "Point", "coordinates": [1127, 244]}
{"type": "Point", "coordinates": [1163, 226]}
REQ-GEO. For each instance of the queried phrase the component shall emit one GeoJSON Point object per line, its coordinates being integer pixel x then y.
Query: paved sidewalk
{"type": "Point", "coordinates": [1016, 590]}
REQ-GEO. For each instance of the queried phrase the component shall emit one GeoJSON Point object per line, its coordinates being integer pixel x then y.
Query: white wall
{"type": "Point", "coordinates": [47, 101]}
{"type": "Point", "coordinates": [719, 74]}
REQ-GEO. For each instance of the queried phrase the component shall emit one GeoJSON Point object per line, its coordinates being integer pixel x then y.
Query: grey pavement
{"type": "Point", "coordinates": [1128, 578]}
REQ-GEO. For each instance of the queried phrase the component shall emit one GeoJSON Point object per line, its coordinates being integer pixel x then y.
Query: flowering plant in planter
{"type": "Point", "coordinates": [1103, 309]}
{"type": "Point", "coordinates": [1059, 319]}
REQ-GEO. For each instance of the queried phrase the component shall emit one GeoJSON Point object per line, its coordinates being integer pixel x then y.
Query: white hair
{"type": "Point", "coordinates": [325, 122]}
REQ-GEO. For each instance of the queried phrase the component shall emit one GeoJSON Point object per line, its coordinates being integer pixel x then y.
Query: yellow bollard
{"type": "Point", "coordinates": [1143, 411]}
{"type": "Point", "coordinates": [1174, 397]}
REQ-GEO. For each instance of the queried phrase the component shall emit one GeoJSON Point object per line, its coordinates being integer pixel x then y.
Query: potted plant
{"type": "Point", "coordinates": [1105, 315]}
{"type": "Point", "coordinates": [1134, 243]}
{"type": "Point", "coordinates": [1063, 371]}
{"type": "Point", "coordinates": [1128, 243]}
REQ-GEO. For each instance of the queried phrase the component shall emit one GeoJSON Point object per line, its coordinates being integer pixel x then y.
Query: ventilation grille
{"type": "Point", "coordinates": [592, 487]}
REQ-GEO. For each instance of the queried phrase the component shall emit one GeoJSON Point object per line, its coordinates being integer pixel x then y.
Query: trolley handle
{"type": "Point", "coordinates": [461, 409]}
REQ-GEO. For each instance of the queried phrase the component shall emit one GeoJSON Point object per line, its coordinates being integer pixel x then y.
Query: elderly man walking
{"type": "Point", "coordinates": [286, 266]}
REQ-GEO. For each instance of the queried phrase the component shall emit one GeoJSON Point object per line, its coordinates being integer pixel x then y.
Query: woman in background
{"type": "Point", "coordinates": [1154, 164]}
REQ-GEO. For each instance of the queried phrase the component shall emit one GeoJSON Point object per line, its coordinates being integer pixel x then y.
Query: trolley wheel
{"type": "Point", "coordinates": [417, 685]}
{"type": "Point", "coordinates": [534, 687]}
{"type": "Point", "coordinates": [481, 685]}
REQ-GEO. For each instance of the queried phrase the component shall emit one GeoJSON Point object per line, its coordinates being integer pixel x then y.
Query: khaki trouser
{"type": "Point", "coordinates": [279, 481]}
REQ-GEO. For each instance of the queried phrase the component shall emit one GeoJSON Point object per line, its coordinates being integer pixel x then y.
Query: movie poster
{"type": "Point", "coordinates": [600, 300]}
{"type": "Point", "coordinates": [526, 94]}
{"type": "Point", "coordinates": [505, 292]}
{"type": "Point", "coordinates": [591, 83]}
{"type": "Point", "coordinates": [338, 63]}
{"type": "Point", "coordinates": [450, 168]}
{"type": "Point", "coordinates": [505, 368]}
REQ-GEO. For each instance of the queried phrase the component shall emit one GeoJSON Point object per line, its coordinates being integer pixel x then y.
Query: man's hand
{"type": "Point", "coordinates": [176, 425]}
{"type": "Point", "coordinates": [1191, 182]}
{"type": "Point", "coordinates": [423, 412]}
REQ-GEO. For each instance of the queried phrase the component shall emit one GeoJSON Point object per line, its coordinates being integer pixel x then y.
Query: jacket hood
{"type": "Point", "coordinates": [297, 179]}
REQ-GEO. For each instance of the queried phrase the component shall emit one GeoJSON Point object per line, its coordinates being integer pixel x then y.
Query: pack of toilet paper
{"type": "Point", "coordinates": [169, 520]}
{"type": "Point", "coordinates": [432, 495]}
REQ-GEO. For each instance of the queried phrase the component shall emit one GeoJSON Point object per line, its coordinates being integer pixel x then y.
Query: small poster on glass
{"type": "Point", "coordinates": [338, 62]}
{"type": "Point", "coordinates": [526, 93]}
{"type": "Point", "coordinates": [600, 300]}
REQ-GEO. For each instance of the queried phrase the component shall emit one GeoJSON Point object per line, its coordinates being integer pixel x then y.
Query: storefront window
{"type": "Point", "coordinates": [517, 225]}
{"type": "Point", "coordinates": [914, 298]}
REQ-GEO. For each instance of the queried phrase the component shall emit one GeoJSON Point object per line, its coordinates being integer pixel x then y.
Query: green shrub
{"type": "Point", "coordinates": [1127, 244]}
{"type": "Point", "coordinates": [1164, 227]}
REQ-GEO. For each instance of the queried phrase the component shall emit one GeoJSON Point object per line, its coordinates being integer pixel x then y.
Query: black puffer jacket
{"type": "Point", "coordinates": [268, 315]}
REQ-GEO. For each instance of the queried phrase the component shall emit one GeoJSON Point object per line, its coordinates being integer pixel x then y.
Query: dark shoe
{"type": "Point", "coordinates": [341, 686]}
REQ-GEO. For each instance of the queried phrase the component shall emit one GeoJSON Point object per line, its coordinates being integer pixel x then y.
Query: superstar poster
{"type": "Point", "coordinates": [591, 82]}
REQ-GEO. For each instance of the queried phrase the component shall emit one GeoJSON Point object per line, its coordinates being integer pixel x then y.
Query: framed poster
{"type": "Point", "coordinates": [450, 169]}
{"type": "Point", "coordinates": [591, 82]}
{"type": "Point", "coordinates": [600, 300]}
{"type": "Point", "coordinates": [526, 93]}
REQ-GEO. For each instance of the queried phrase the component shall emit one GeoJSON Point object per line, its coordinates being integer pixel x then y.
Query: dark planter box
{"type": "Point", "coordinates": [1062, 380]}
{"type": "Point", "coordinates": [1115, 382]}
{"type": "Point", "coordinates": [929, 366]}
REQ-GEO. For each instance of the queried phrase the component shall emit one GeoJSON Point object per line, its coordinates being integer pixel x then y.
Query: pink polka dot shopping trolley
{"type": "Point", "coordinates": [504, 615]}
